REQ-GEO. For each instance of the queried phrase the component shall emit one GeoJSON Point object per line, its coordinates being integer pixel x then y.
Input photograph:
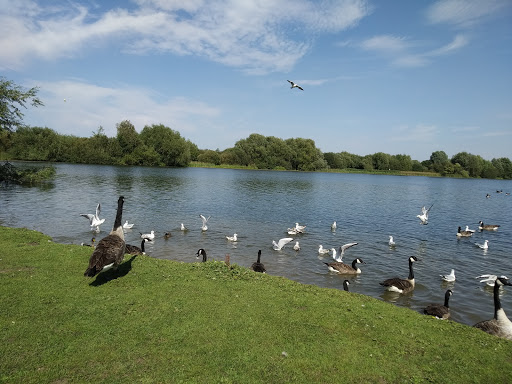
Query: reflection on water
{"type": "Point", "coordinates": [260, 205]}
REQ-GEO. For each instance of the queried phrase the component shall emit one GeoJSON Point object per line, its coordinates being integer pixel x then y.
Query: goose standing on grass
{"type": "Point", "coordinates": [127, 225]}
{"type": "Point", "coordinates": [345, 269]}
{"type": "Point", "coordinates": [110, 250]}
{"type": "Point", "coordinates": [294, 85]}
{"type": "Point", "coordinates": [233, 238]}
{"type": "Point", "coordinates": [487, 227]}
{"type": "Point", "coordinates": [201, 252]}
{"type": "Point", "coordinates": [258, 266]}
{"type": "Point", "coordinates": [149, 236]}
{"type": "Point", "coordinates": [204, 220]}
{"type": "Point", "coordinates": [94, 220]}
{"type": "Point", "coordinates": [424, 215]}
{"type": "Point", "coordinates": [399, 285]}
{"type": "Point", "coordinates": [499, 325]}
{"type": "Point", "coordinates": [391, 241]}
{"type": "Point", "coordinates": [281, 243]}
{"type": "Point", "coordinates": [461, 233]}
{"type": "Point", "coordinates": [322, 250]}
{"type": "Point", "coordinates": [296, 247]}
{"type": "Point", "coordinates": [484, 246]}
{"type": "Point", "coordinates": [440, 311]}
{"type": "Point", "coordinates": [449, 278]}
{"type": "Point", "coordinates": [346, 283]}
{"type": "Point", "coordinates": [134, 250]}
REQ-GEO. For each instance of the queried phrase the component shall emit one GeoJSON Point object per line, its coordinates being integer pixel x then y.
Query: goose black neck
{"type": "Point", "coordinates": [119, 214]}
{"type": "Point", "coordinates": [142, 245]}
{"type": "Point", "coordinates": [446, 299]}
{"type": "Point", "coordinates": [204, 255]}
{"type": "Point", "coordinates": [411, 272]}
{"type": "Point", "coordinates": [259, 255]}
{"type": "Point", "coordinates": [354, 264]}
{"type": "Point", "coordinates": [497, 302]}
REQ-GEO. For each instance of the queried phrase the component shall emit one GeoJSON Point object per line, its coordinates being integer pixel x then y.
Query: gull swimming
{"type": "Point", "coordinates": [127, 225]}
{"type": "Point", "coordinates": [150, 236]}
{"type": "Point", "coordinates": [183, 228]}
{"type": "Point", "coordinates": [282, 242]}
{"type": "Point", "coordinates": [296, 246]}
{"type": "Point", "coordinates": [204, 227]}
{"type": "Point", "coordinates": [232, 238]}
{"type": "Point", "coordinates": [469, 230]}
{"type": "Point", "coordinates": [333, 226]}
{"type": "Point", "coordinates": [483, 246]}
{"type": "Point", "coordinates": [294, 85]}
{"type": "Point", "coordinates": [391, 241]}
{"type": "Point", "coordinates": [322, 250]}
{"type": "Point", "coordinates": [300, 228]}
{"type": "Point", "coordinates": [489, 279]}
{"type": "Point", "coordinates": [424, 215]}
{"type": "Point", "coordinates": [94, 220]}
{"type": "Point", "coordinates": [449, 278]}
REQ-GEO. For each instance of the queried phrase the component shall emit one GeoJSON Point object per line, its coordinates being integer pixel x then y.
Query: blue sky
{"type": "Point", "coordinates": [400, 77]}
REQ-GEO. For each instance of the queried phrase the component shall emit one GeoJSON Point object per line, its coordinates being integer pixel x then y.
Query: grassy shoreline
{"type": "Point", "coordinates": [156, 321]}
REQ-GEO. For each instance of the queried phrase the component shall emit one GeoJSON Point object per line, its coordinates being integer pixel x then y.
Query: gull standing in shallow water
{"type": "Point", "coordinates": [94, 220]}
{"type": "Point", "coordinates": [282, 242]}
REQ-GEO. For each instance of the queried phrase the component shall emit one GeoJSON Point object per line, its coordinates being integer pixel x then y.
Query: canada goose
{"type": "Point", "coordinates": [345, 269]}
{"type": "Point", "coordinates": [449, 278]}
{"type": "Point", "coordinates": [483, 246]}
{"type": "Point", "coordinates": [296, 246]}
{"type": "Point", "coordinates": [258, 266]}
{"type": "Point", "coordinates": [233, 238]}
{"type": "Point", "coordinates": [424, 215]}
{"type": "Point", "coordinates": [294, 85]}
{"type": "Point", "coordinates": [204, 220]}
{"type": "Point", "coordinates": [440, 311]}
{"type": "Point", "coordinates": [499, 325]}
{"type": "Point", "coordinates": [487, 227]}
{"type": "Point", "coordinates": [391, 241]}
{"type": "Point", "coordinates": [94, 220]}
{"type": "Point", "coordinates": [202, 252]}
{"type": "Point", "coordinates": [346, 283]}
{"type": "Point", "coordinates": [461, 233]}
{"type": "Point", "coordinates": [399, 285]}
{"type": "Point", "coordinates": [282, 242]}
{"type": "Point", "coordinates": [322, 250]}
{"type": "Point", "coordinates": [127, 225]}
{"type": "Point", "coordinates": [333, 226]}
{"type": "Point", "coordinates": [134, 250]}
{"type": "Point", "coordinates": [150, 236]}
{"type": "Point", "coordinates": [110, 250]}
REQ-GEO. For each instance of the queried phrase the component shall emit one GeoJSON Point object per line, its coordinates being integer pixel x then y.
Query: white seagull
{"type": "Point", "coordinates": [296, 246]}
{"type": "Point", "coordinates": [282, 242]}
{"type": "Point", "coordinates": [483, 246]}
{"type": "Point", "coordinates": [300, 228]}
{"type": "Point", "coordinates": [183, 228]}
{"type": "Point", "coordinates": [322, 250]}
{"type": "Point", "coordinates": [148, 236]}
{"type": "Point", "coordinates": [391, 241]}
{"type": "Point", "coordinates": [424, 215]}
{"type": "Point", "coordinates": [469, 230]}
{"type": "Point", "coordinates": [94, 220]}
{"type": "Point", "coordinates": [333, 226]}
{"type": "Point", "coordinates": [341, 251]}
{"type": "Point", "coordinates": [489, 279]}
{"type": "Point", "coordinates": [232, 238]}
{"type": "Point", "coordinates": [204, 227]}
{"type": "Point", "coordinates": [294, 85]}
{"type": "Point", "coordinates": [449, 278]}
{"type": "Point", "coordinates": [127, 225]}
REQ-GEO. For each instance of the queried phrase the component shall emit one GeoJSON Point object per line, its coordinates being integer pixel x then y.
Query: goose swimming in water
{"type": "Point", "coordinates": [94, 220]}
{"type": "Point", "coordinates": [483, 246]}
{"type": "Point", "coordinates": [440, 311]}
{"type": "Point", "coordinates": [449, 278]}
{"type": "Point", "coordinates": [487, 227]}
{"type": "Point", "coordinates": [399, 285]}
{"type": "Point", "coordinates": [204, 220]}
{"type": "Point", "coordinates": [281, 243]}
{"type": "Point", "coordinates": [110, 250]}
{"type": "Point", "coordinates": [345, 269]}
{"type": "Point", "coordinates": [461, 233]}
{"type": "Point", "coordinates": [258, 266]}
{"type": "Point", "coordinates": [127, 225]}
{"type": "Point", "coordinates": [424, 215]}
{"type": "Point", "coordinates": [149, 236]}
{"type": "Point", "coordinates": [201, 252]}
{"type": "Point", "coordinates": [134, 250]}
{"type": "Point", "coordinates": [294, 85]}
{"type": "Point", "coordinates": [499, 325]}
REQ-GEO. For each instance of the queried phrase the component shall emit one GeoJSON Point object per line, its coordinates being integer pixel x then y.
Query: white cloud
{"type": "Point", "coordinates": [421, 133]}
{"type": "Point", "coordinates": [464, 13]}
{"type": "Point", "coordinates": [252, 35]}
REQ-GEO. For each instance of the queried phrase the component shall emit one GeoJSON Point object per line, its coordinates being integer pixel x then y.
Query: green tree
{"type": "Point", "coordinates": [127, 137]}
{"type": "Point", "coordinates": [170, 146]}
{"type": "Point", "coordinates": [12, 99]}
{"type": "Point", "coordinates": [380, 161]}
{"type": "Point", "coordinates": [439, 160]}
{"type": "Point", "coordinates": [209, 156]}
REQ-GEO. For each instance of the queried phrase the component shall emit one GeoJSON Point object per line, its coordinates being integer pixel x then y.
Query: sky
{"type": "Point", "coordinates": [399, 77]}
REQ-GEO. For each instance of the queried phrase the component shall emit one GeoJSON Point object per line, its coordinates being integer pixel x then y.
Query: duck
{"type": "Point", "coordinates": [134, 250]}
{"type": "Point", "coordinates": [167, 235]}
{"type": "Point", "coordinates": [399, 285]}
{"type": "Point", "coordinates": [233, 238]}
{"type": "Point", "coordinates": [488, 196]}
{"type": "Point", "coordinates": [346, 283]}
{"type": "Point", "coordinates": [499, 325]}
{"type": "Point", "coordinates": [127, 225]}
{"type": "Point", "coordinates": [440, 311]}
{"type": "Point", "coordinates": [94, 220]}
{"type": "Point", "coordinates": [89, 245]}
{"type": "Point", "coordinates": [296, 247]}
{"type": "Point", "coordinates": [424, 215]}
{"type": "Point", "coordinates": [258, 266]}
{"type": "Point", "coordinates": [333, 226]}
{"type": "Point", "coordinates": [461, 233]}
{"type": "Point", "coordinates": [281, 243]}
{"type": "Point", "coordinates": [483, 246]}
{"type": "Point", "coordinates": [150, 236]}
{"type": "Point", "coordinates": [110, 250]}
{"type": "Point", "coordinates": [204, 227]}
{"type": "Point", "coordinates": [487, 227]}
{"type": "Point", "coordinates": [345, 269]}
{"type": "Point", "coordinates": [449, 278]}
{"type": "Point", "coordinates": [201, 252]}
{"type": "Point", "coordinates": [322, 250]}
{"type": "Point", "coordinates": [391, 241]}
{"type": "Point", "coordinates": [294, 85]}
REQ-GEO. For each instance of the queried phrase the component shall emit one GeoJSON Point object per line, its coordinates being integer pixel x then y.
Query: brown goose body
{"type": "Point", "coordinates": [258, 266]}
{"type": "Point", "coordinates": [461, 233]}
{"type": "Point", "coordinates": [487, 227]}
{"type": "Point", "coordinates": [110, 250]}
{"type": "Point", "coordinates": [438, 310]}
{"type": "Point", "coordinates": [134, 250]}
{"type": "Point", "coordinates": [345, 269]}
{"type": "Point", "coordinates": [399, 285]}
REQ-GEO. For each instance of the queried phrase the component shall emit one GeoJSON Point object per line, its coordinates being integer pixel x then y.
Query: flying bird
{"type": "Point", "coordinates": [295, 85]}
{"type": "Point", "coordinates": [424, 215]}
{"type": "Point", "coordinates": [204, 227]}
{"type": "Point", "coordinates": [94, 220]}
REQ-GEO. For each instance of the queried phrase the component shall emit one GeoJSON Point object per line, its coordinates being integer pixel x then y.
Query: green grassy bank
{"type": "Point", "coordinates": [159, 321]}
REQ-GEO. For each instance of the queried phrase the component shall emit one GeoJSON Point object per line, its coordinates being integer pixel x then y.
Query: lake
{"type": "Point", "coordinates": [260, 205]}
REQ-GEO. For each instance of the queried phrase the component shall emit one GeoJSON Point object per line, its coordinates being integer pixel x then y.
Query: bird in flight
{"type": "Point", "coordinates": [295, 85]}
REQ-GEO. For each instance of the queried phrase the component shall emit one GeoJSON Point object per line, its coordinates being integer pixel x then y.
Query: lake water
{"type": "Point", "coordinates": [260, 205]}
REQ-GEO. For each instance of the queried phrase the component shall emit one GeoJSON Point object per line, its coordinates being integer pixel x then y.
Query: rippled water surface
{"type": "Point", "coordinates": [260, 205]}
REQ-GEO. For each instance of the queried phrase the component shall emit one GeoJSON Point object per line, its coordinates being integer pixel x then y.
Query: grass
{"type": "Point", "coordinates": [155, 321]}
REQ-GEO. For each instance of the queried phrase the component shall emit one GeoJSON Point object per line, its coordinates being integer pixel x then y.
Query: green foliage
{"type": "Point", "coordinates": [170, 146]}
{"type": "Point", "coordinates": [25, 176]}
{"type": "Point", "coordinates": [12, 99]}
{"type": "Point", "coordinates": [209, 156]}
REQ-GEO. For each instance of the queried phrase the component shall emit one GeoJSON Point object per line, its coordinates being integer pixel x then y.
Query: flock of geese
{"type": "Point", "coordinates": [109, 253]}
